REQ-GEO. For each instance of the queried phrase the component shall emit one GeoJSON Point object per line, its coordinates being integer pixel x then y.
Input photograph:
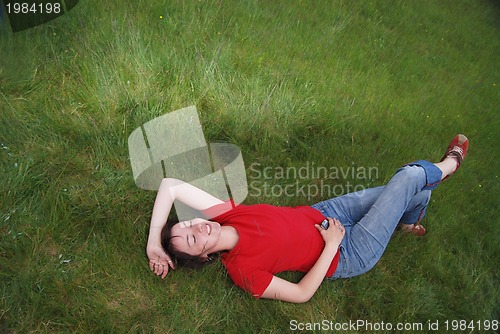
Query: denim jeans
{"type": "Point", "coordinates": [370, 216]}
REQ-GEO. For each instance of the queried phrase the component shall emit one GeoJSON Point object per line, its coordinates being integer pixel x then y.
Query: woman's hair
{"type": "Point", "coordinates": [181, 259]}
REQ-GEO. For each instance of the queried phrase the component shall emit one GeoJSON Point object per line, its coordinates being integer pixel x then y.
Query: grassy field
{"type": "Point", "coordinates": [334, 83]}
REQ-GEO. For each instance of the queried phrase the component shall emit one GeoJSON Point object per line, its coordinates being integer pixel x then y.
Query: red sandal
{"type": "Point", "coordinates": [457, 150]}
{"type": "Point", "coordinates": [418, 230]}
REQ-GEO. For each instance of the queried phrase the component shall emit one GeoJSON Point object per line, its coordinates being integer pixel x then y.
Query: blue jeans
{"type": "Point", "coordinates": [370, 216]}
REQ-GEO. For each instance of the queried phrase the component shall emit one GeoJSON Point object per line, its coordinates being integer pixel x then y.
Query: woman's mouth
{"type": "Point", "coordinates": [209, 229]}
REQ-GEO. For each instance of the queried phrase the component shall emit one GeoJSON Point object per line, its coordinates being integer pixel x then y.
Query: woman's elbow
{"type": "Point", "coordinates": [296, 298]}
{"type": "Point", "coordinates": [300, 299]}
{"type": "Point", "coordinates": [170, 181]}
{"type": "Point", "coordinates": [304, 298]}
{"type": "Point", "coordinates": [167, 180]}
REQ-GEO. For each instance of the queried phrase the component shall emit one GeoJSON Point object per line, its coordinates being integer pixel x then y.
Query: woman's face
{"type": "Point", "coordinates": [196, 237]}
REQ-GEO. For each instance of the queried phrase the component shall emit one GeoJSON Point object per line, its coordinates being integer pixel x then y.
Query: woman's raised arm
{"type": "Point", "coordinates": [169, 191]}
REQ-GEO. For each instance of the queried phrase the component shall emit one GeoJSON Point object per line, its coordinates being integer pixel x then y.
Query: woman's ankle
{"type": "Point", "coordinates": [447, 166]}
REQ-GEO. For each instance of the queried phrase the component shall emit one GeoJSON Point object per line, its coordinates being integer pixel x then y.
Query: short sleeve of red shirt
{"type": "Point", "coordinates": [218, 209]}
{"type": "Point", "coordinates": [255, 281]}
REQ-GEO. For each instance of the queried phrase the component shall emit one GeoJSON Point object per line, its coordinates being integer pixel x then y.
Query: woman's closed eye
{"type": "Point", "coordinates": [193, 238]}
{"type": "Point", "coordinates": [191, 225]}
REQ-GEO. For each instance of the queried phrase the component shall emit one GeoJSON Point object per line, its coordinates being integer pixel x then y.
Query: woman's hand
{"type": "Point", "coordinates": [159, 261]}
{"type": "Point", "coordinates": [334, 234]}
{"type": "Point", "coordinates": [303, 291]}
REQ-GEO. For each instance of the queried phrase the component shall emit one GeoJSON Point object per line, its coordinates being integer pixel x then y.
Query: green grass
{"type": "Point", "coordinates": [338, 83]}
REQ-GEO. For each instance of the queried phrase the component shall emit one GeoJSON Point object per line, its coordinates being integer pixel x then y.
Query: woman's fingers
{"type": "Point", "coordinates": [159, 261]}
{"type": "Point", "coordinates": [335, 231]}
{"type": "Point", "coordinates": [170, 262]}
{"type": "Point", "coordinates": [334, 221]}
{"type": "Point", "coordinates": [158, 268]}
{"type": "Point", "coordinates": [338, 224]}
{"type": "Point", "coordinates": [165, 272]}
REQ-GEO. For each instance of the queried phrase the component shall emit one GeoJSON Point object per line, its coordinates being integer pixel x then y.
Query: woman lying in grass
{"type": "Point", "coordinates": [258, 241]}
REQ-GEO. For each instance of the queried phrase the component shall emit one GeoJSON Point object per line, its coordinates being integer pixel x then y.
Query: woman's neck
{"type": "Point", "coordinates": [229, 237]}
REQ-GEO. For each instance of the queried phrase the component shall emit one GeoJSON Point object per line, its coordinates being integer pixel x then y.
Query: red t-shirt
{"type": "Point", "coordinates": [272, 239]}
